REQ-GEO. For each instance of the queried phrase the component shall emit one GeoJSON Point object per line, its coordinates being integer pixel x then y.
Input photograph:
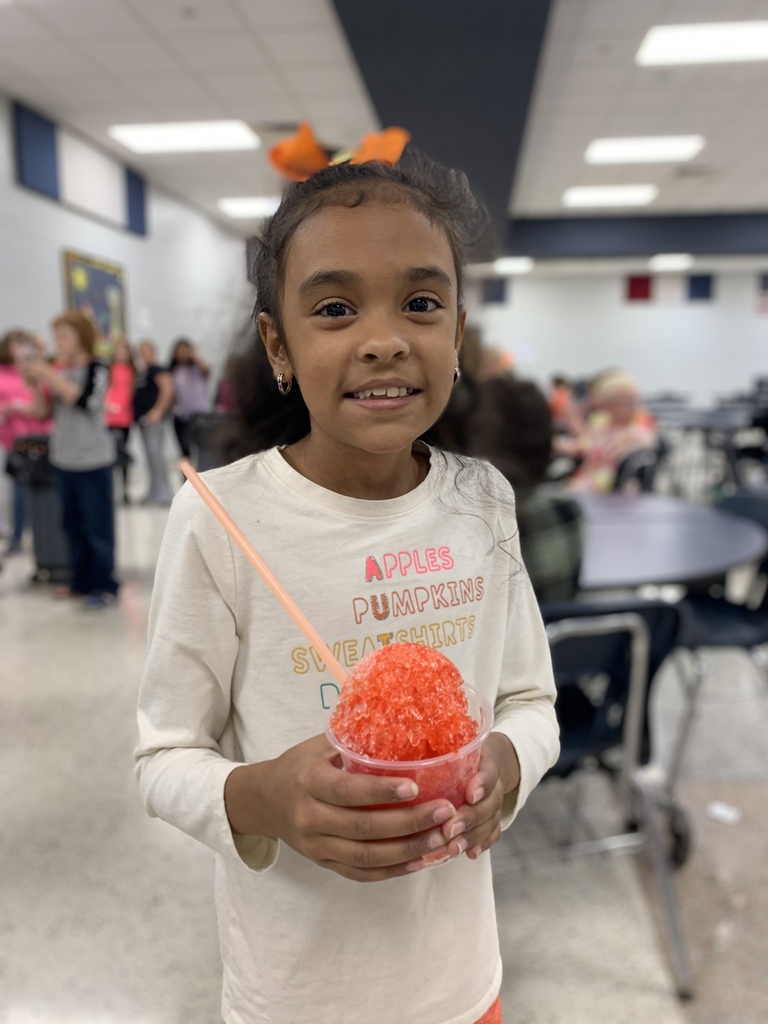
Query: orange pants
{"type": "Point", "coordinates": [493, 1014]}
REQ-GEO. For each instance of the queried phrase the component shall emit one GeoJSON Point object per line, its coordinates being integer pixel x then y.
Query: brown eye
{"type": "Point", "coordinates": [423, 305]}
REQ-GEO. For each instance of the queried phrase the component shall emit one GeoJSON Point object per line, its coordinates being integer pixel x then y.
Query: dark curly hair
{"type": "Point", "coordinates": [440, 193]}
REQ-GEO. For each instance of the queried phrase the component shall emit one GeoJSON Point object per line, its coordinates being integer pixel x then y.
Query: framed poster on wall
{"type": "Point", "coordinates": [97, 288]}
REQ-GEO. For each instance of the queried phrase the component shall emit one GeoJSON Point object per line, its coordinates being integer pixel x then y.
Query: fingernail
{"type": "Point", "coordinates": [415, 865]}
{"type": "Point", "coordinates": [443, 813]}
{"type": "Point", "coordinates": [407, 791]}
{"type": "Point", "coordinates": [456, 830]}
{"type": "Point", "coordinates": [476, 851]}
{"type": "Point", "coordinates": [436, 840]}
{"type": "Point", "coordinates": [462, 844]}
{"type": "Point", "coordinates": [479, 794]}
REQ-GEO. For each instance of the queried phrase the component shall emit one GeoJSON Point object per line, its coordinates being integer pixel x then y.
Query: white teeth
{"type": "Point", "coordinates": [383, 393]}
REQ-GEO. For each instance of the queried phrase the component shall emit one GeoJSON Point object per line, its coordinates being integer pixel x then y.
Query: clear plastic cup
{"type": "Point", "coordinates": [446, 776]}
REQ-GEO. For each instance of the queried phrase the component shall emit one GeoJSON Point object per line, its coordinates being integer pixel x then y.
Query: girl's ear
{"type": "Point", "coordinates": [460, 324]}
{"type": "Point", "coordinates": [273, 343]}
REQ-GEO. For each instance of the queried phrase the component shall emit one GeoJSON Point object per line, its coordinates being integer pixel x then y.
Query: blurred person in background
{"type": "Point", "coordinates": [616, 427]}
{"type": "Point", "coordinates": [16, 401]}
{"type": "Point", "coordinates": [82, 453]}
{"type": "Point", "coordinates": [561, 400]}
{"type": "Point", "coordinates": [450, 430]}
{"type": "Point", "coordinates": [226, 397]}
{"type": "Point", "coordinates": [119, 405]}
{"type": "Point", "coordinates": [152, 400]}
{"type": "Point", "coordinates": [511, 427]}
{"type": "Point", "coordinates": [190, 384]}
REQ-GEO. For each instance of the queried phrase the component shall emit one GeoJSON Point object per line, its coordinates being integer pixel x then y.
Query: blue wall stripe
{"type": "Point", "coordinates": [594, 237]}
{"type": "Point", "coordinates": [136, 202]}
{"type": "Point", "coordinates": [36, 162]}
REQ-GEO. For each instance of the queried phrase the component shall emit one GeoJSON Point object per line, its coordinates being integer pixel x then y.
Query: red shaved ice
{"type": "Point", "coordinates": [403, 702]}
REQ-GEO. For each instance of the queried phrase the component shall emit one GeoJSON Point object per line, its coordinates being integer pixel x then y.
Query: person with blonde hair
{"type": "Point", "coordinates": [82, 453]}
{"type": "Point", "coordinates": [617, 427]}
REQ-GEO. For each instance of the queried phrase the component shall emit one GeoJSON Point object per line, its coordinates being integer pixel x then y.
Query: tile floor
{"type": "Point", "coordinates": [106, 916]}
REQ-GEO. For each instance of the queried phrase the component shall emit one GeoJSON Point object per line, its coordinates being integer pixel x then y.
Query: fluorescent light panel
{"type": "Point", "coordinates": [507, 266]}
{"type": "Point", "coordinates": [186, 136]}
{"type": "Point", "coordinates": [711, 43]}
{"type": "Point", "coordinates": [670, 261]}
{"type": "Point", "coordinates": [644, 149]}
{"type": "Point", "coordinates": [609, 195]}
{"type": "Point", "coordinates": [249, 206]}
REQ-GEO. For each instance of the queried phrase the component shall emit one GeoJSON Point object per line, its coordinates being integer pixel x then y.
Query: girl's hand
{"type": "Point", "coordinates": [477, 825]}
{"type": "Point", "coordinates": [333, 817]}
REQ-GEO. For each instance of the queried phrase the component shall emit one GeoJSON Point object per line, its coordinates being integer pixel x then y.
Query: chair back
{"type": "Point", "coordinates": [751, 504]}
{"type": "Point", "coordinates": [641, 466]}
{"type": "Point", "coordinates": [605, 655]}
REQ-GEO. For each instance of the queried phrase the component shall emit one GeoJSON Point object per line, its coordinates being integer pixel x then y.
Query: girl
{"type": "Point", "coordinates": [119, 405]}
{"type": "Point", "coordinates": [16, 347]}
{"type": "Point", "coordinates": [190, 385]}
{"type": "Point", "coordinates": [380, 539]}
{"type": "Point", "coordinates": [82, 454]}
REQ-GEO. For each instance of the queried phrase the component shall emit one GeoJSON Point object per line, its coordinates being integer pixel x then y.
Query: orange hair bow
{"type": "Point", "coordinates": [301, 155]}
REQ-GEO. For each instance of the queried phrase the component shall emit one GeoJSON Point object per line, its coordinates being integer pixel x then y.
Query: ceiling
{"type": "Point", "coordinates": [512, 91]}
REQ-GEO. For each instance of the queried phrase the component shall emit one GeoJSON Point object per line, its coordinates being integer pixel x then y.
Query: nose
{"type": "Point", "coordinates": [382, 340]}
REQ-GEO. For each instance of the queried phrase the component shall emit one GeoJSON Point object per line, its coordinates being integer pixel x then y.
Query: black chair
{"type": "Point", "coordinates": [640, 467]}
{"type": "Point", "coordinates": [605, 657]}
{"type": "Point", "coordinates": [708, 621]}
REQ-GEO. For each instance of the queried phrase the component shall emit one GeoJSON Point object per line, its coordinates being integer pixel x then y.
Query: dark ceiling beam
{"type": "Point", "coordinates": [594, 237]}
{"type": "Point", "coordinates": [458, 74]}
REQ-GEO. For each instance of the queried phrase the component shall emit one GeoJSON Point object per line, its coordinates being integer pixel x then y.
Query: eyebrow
{"type": "Point", "coordinates": [413, 275]}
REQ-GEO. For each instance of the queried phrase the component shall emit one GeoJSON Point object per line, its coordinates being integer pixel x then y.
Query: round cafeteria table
{"type": "Point", "coordinates": [651, 538]}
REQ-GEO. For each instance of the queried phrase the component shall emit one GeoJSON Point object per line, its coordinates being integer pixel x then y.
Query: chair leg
{"type": "Point", "coordinates": [679, 950]}
{"type": "Point", "coordinates": [691, 686]}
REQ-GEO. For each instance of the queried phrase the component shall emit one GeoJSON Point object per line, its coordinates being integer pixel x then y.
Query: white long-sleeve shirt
{"type": "Point", "coordinates": [230, 680]}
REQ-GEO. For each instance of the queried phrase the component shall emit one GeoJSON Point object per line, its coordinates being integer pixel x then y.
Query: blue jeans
{"type": "Point", "coordinates": [19, 512]}
{"type": "Point", "coordinates": [88, 519]}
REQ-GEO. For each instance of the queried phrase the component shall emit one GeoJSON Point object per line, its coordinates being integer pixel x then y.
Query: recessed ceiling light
{"type": "Point", "coordinates": [609, 195]}
{"type": "Point", "coordinates": [185, 136]}
{"type": "Point", "coordinates": [506, 266]}
{"type": "Point", "coordinates": [671, 261]}
{"type": "Point", "coordinates": [715, 43]}
{"type": "Point", "coordinates": [644, 149]}
{"type": "Point", "coordinates": [249, 206]}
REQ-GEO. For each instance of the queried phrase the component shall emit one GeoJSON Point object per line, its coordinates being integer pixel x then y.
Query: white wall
{"type": "Point", "coordinates": [187, 276]}
{"type": "Point", "coordinates": [578, 326]}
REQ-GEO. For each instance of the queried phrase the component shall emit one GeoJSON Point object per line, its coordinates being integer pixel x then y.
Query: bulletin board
{"type": "Point", "coordinates": [97, 288]}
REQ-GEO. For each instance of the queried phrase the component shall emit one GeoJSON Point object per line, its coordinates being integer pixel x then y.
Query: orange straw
{"type": "Point", "coordinates": [264, 571]}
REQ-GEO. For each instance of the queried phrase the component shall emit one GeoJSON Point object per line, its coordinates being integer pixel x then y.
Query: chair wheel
{"type": "Point", "coordinates": [680, 836]}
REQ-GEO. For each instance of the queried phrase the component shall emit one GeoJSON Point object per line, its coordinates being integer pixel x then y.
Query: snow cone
{"type": "Point", "coordinates": [404, 711]}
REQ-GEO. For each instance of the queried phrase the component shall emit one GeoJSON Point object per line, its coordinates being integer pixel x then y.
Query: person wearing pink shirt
{"type": "Point", "coordinates": [118, 405]}
{"type": "Point", "coordinates": [15, 421]}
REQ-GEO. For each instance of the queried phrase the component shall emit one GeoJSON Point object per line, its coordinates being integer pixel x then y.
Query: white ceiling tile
{"type": "Point", "coordinates": [134, 55]}
{"type": "Point", "coordinates": [179, 86]}
{"type": "Point", "coordinates": [287, 13]}
{"type": "Point", "coordinates": [47, 58]}
{"type": "Point", "coordinates": [175, 17]}
{"type": "Point", "coordinates": [324, 79]}
{"type": "Point", "coordinates": [263, 110]}
{"type": "Point", "coordinates": [17, 23]}
{"type": "Point", "coordinates": [182, 109]}
{"type": "Point", "coordinates": [85, 19]}
{"type": "Point", "coordinates": [218, 50]}
{"type": "Point", "coordinates": [308, 46]}
{"type": "Point", "coordinates": [256, 82]}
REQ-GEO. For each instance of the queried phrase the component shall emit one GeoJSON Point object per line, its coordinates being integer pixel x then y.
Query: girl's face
{"type": "Point", "coordinates": [121, 352]}
{"type": "Point", "coordinates": [67, 342]}
{"type": "Point", "coordinates": [184, 352]}
{"type": "Point", "coordinates": [369, 305]}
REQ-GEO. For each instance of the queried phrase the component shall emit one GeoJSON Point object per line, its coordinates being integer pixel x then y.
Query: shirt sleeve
{"type": "Point", "coordinates": [525, 705]}
{"type": "Point", "coordinates": [94, 391]}
{"type": "Point", "coordinates": [184, 699]}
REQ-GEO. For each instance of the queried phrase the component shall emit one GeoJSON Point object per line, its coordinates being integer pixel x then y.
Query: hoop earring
{"type": "Point", "coordinates": [283, 388]}
{"type": "Point", "coordinates": [456, 374]}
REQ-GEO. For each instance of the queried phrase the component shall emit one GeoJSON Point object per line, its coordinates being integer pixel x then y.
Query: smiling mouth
{"type": "Point", "coordinates": [384, 393]}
